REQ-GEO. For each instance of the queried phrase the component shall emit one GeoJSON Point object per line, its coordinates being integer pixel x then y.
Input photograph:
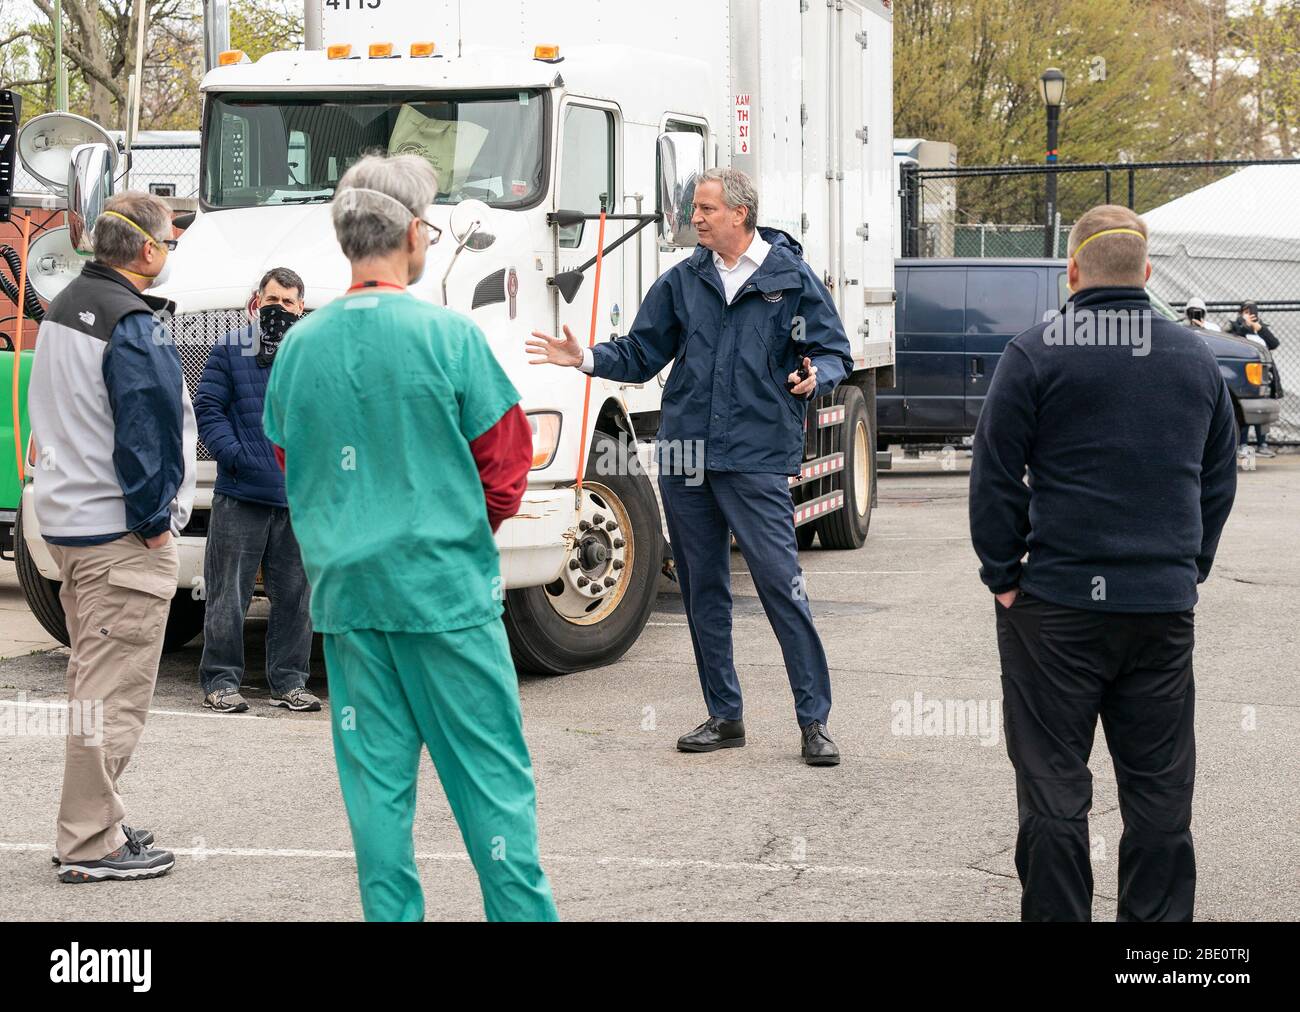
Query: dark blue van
{"type": "Point", "coordinates": [954, 318]}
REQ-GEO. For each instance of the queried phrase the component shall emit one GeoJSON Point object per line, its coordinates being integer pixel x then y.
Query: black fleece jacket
{"type": "Point", "coordinates": [1113, 465]}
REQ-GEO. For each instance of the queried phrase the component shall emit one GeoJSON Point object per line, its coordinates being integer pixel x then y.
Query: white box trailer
{"type": "Point", "coordinates": [631, 105]}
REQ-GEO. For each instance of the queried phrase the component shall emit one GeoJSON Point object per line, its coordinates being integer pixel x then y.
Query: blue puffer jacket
{"type": "Point", "coordinates": [228, 409]}
{"type": "Point", "coordinates": [727, 389]}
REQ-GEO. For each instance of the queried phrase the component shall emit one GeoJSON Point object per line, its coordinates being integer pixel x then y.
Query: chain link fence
{"type": "Point", "coordinates": [1227, 232]}
{"type": "Point", "coordinates": [169, 170]}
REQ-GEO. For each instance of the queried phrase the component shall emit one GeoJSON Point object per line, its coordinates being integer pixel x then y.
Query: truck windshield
{"type": "Point", "coordinates": [264, 149]}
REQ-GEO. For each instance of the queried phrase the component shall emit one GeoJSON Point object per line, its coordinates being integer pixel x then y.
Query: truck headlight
{"type": "Point", "coordinates": [546, 436]}
{"type": "Point", "coordinates": [1255, 373]}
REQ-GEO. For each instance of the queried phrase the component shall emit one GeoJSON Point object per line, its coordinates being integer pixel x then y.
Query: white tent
{"type": "Point", "coordinates": [1234, 240]}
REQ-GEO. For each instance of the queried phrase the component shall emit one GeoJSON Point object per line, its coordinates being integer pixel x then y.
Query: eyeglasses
{"type": "Point", "coordinates": [169, 243]}
{"type": "Point", "coordinates": [435, 233]}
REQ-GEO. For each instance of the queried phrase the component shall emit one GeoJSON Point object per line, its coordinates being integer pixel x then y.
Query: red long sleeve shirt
{"type": "Point", "coordinates": [504, 456]}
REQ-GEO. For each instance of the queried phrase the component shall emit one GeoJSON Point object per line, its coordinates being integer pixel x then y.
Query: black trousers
{"type": "Point", "coordinates": [1061, 669]}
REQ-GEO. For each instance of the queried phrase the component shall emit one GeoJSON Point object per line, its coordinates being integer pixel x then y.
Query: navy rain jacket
{"type": "Point", "coordinates": [730, 362]}
{"type": "Point", "coordinates": [228, 409]}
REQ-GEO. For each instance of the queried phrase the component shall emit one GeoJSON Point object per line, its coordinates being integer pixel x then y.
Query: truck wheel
{"type": "Point", "coordinates": [42, 594]}
{"type": "Point", "coordinates": [847, 527]}
{"type": "Point", "coordinates": [804, 535]}
{"type": "Point", "coordinates": [184, 621]}
{"type": "Point", "coordinates": [595, 610]}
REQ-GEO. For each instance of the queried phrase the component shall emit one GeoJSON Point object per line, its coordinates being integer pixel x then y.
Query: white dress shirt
{"type": "Point", "coordinates": [733, 280]}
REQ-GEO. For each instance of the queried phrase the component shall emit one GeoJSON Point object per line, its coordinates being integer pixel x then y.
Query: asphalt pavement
{"type": "Point", "coordinates": [912, 825]}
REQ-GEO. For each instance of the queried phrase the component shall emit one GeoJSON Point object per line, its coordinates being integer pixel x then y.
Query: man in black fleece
{"type": "Point", "coordinates": [1106, 452]}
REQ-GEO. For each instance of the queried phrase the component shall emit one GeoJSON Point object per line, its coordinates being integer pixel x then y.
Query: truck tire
{"type": "Point", "coordinates": [42, 594]}
{"type": "Point", "coordinates": [847, 528]}
{"type": "Point", "coordinates": [565, 627]}
{"type": "Point", "coordinates": [184, 621]}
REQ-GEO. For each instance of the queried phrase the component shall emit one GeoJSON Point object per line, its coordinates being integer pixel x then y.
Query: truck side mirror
{"type": "Point", "coordinates": [681, 163]}
{"type": "Point", "coordinates": [90, 184]}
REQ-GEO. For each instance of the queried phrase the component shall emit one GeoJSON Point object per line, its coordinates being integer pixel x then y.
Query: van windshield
{"type": "Point", "coordinates": [262, 149]}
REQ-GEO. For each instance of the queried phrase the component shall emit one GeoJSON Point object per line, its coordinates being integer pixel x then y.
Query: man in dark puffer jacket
{"type": "Point", "coordinates": [250, 515]}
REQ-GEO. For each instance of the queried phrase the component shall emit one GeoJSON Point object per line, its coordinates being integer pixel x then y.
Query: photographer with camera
{"type": "Point", "coordinates": [1252, 328]}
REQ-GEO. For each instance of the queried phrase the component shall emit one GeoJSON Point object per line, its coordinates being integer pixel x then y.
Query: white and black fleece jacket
{"type": "Point", "coordinates": [110, 414]}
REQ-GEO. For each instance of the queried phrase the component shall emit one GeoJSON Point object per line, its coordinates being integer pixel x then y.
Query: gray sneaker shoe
{"type": "Point", "coordinates": [144, 837]}
{"type": "Point", "coordinates": [225, 701]}
{"type": "Point", "coordinates": [297, 699]}
{"type": "Point", "coordinates": [129, 861]}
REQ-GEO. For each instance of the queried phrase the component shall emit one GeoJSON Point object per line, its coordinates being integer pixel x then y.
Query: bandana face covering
{"type": "Point", "coordinates": [273, 322]}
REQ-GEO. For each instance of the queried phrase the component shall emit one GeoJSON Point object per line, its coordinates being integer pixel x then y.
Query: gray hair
{"type": "Point", "coordinates": [115, 242]}
{"type": "Point", "coordinates": [738, 190]}
{"type": "Point", "coordinates": [368, 203]}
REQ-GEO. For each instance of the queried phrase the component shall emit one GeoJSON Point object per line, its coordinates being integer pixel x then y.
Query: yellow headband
{"type": "Point", "coordinates": [158, 242]}
{"type": "Point", "coordinates": [1110, 231]}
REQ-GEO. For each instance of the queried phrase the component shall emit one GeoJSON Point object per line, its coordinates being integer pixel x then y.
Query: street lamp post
{"type": "Point", "coordinates": [1052, 87]}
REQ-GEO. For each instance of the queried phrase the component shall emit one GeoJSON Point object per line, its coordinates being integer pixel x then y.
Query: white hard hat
{"type": "Point", "coordinates": [1196, 303]}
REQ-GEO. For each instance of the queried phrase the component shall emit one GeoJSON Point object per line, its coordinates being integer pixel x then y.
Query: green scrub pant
{"type": "Point", "coordinates": [457, 694]}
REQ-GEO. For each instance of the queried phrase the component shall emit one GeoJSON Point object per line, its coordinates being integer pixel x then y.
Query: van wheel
{"type": "Point", "coordinates": [42, 594]}
{"type": "Point", "coordinates": [847, 527]}
{"type": "Point", "coordinates": [184, 621]}
{"type": "Point", "coordinates": [596, 608]}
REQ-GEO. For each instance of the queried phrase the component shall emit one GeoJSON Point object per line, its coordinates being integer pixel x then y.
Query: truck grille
{"type": "Point", "coordinates": [195, 335]}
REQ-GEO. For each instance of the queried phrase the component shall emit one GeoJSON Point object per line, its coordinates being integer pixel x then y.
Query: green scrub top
{"type": "Point", "coordinates": [375, 399]}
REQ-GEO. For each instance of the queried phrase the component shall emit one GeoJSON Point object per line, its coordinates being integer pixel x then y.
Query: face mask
{"type": "Point", "coordinates": [273, 322]}
{"type": "Point", "coordinates": [163, 275]}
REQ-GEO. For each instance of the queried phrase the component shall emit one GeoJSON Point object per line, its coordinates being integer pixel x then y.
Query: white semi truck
{"type": "Point", "coordinates": [534, 113]}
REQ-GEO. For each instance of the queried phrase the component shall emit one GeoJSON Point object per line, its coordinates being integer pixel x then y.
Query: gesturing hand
{"type": "Point", "coordinates": [554, 350]}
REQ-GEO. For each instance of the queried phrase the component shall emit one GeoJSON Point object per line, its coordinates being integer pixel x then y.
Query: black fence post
{"type": "Point", "coordinates": [1108, 200]}
{"type": "Point", "coordinates": [1132, 188]}
{"type": "Point", "coordinates": [910, 209]}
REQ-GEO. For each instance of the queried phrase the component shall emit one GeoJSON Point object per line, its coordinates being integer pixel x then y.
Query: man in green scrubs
{"type": "Point", "coordinates": [404, 447]}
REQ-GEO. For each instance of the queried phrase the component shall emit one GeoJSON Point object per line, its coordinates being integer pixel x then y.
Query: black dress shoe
{"type": "Point", "coordinates": [818, 749]}
{"type": "Point", "coordinates": [712, 735]}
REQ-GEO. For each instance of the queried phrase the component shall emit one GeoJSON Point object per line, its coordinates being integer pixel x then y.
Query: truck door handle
{"type": "Point", "coordinates": [976, 368]}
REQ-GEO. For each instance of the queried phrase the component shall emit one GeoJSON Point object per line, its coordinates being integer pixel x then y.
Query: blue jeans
{"type": "Point", "coordinates": [757, 508]}
{"type": "Point", "coordinates": [242, 537]}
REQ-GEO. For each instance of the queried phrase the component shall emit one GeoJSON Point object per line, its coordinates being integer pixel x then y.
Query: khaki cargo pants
{"type": "Point", "coordinates": [116, 597]}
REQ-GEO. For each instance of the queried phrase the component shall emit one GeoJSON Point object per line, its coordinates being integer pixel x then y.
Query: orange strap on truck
{"type": "Point", "coordinates": [18, 345]}
{"type": "Point", "coordinates": [591, 343]}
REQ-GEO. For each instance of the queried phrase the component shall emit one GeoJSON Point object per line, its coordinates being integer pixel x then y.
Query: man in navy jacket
{"type": "Point", "coordinates": [1125, 431]}
{"type": "Point", "coordinates": [753, 336]}
{"type": "Point", "coordinates": [250, 526]}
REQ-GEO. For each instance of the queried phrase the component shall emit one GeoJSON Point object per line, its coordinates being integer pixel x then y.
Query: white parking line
{"type": "Point", "coordinates": [651, 863]}
{"type": "Point", "coordinates": [870, 572]}
{"type": "Point", "coordinates": [43, 704]}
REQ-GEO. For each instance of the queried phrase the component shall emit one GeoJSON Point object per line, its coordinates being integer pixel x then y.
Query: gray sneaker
{"type": "Point", "coordinates": [144, 837]}
{"type": "Point", "coordinates": [129, 861]}
{"type": "Point", "coordinates": [225, 701]}
{"type": "Point", "coordinates": [297, 699]}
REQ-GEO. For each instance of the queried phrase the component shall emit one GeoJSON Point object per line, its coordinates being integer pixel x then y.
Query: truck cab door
{"type": "Point", "coordinates": [589, 167]}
